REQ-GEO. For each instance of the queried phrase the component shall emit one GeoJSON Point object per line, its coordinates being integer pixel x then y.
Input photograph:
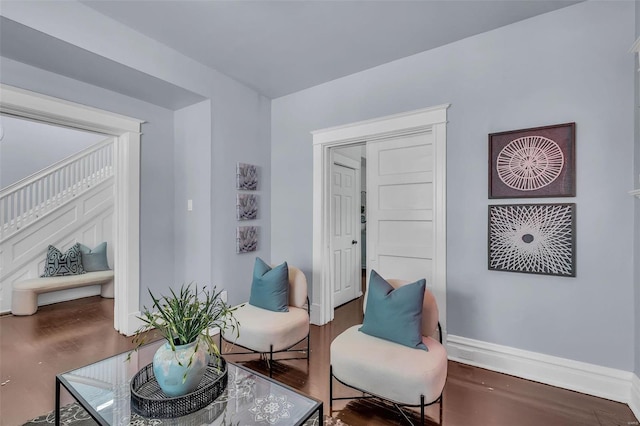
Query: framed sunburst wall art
{"type": "Point", "coordinates": [533, 238]}
{"type": "Point", "coordinates": [533, 163]}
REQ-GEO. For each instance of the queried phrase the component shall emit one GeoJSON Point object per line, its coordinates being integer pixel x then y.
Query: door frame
{"type": "Point", "coordinates": [344, 161]}
{"type": "Point", "coordinates": [433, 120]}
{"type": "Point", "coordinates": [35, 106]}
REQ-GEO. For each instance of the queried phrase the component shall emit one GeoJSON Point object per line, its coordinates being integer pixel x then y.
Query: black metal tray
{"type": "Point", "coordinates": [148, 400]}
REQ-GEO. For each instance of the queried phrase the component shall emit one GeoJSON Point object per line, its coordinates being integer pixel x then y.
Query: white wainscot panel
{"type": "Point", "coordinates": [71, 294]}
{"type": "Point", "coordinates": [24, 244]}
{"type": "Point", "coordinates": [103, 196]}
{"type": "Point", "coordinates": [107, 235]}
{"type": "Point", "coordinates": [90, 235]}
{"type": "Point", "coordinates": [7, 286]}
{"type": "Point", "coordinates": [23, 254]}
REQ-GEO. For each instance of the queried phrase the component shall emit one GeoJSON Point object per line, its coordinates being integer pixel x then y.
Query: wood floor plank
{"type": "Point", "coordinates": [64, 336]}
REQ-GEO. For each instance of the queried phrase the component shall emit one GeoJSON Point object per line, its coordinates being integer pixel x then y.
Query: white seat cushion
{"type": "Point", "coordinates": [47, 284]}
{"type": "Point", "coordinates": [24, 297]}
{"type": "Point", "coordinates": [260, 328]}
{"type": "Point", "coordinates": [387, 369]}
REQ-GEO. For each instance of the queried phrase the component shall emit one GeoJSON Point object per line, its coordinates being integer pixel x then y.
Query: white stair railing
{"type": "Point", "coordinates": [34, 196]}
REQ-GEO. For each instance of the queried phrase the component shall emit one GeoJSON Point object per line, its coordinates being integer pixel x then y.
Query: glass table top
{"type": "Point", "coordinates": [103, 389]}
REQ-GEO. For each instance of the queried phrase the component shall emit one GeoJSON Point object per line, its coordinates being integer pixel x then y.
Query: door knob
{"type": "Point", "coordinates": [354, 242]}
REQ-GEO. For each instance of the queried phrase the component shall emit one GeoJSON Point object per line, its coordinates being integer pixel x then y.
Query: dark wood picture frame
{"type": "Point", "coordinates": [533, 238]}
{"type": "Point", "coordinates": [533, 163]}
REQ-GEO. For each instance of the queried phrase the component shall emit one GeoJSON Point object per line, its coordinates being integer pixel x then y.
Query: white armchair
{"type": "Point", "coordinates": [402, 375]}
{"type": "Point", "coordinates": [267, 332]}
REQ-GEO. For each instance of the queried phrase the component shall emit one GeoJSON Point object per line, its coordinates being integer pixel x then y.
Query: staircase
{"type": "Point", "coordinates": [39, 194]}
{"type": "Point", "coordinates": [70, 201]}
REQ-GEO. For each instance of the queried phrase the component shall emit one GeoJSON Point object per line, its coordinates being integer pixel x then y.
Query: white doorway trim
{"type": "Point", "coordinates": [424, 120]}
{"type": "Point", "coordinates": [35, 106]}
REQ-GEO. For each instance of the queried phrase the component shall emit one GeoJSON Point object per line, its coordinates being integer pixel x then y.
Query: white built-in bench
{"type": "Point", "coordinates": [24, 298]}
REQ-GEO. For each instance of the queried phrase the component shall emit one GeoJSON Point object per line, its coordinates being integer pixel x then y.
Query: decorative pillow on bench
{"type": "Point", "coordinates": [96, 259]}
{"type": "Point", "coordinates": [58, 264]}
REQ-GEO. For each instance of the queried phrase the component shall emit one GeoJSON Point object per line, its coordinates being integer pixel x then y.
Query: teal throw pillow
{"type": "Point", "coordinates": [96, 259]}
{"type": "Point", "coordinates": [59, 264]}
{"type": "Point", "coordinates": [270, 287]}
{"type": "Point", "coordinates": [395, 314]}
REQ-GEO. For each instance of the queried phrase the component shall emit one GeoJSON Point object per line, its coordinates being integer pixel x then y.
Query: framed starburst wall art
{"type": "Point", "coordinates": [533, 238]}
{"type": "Point", "coordinates": [533, 163]}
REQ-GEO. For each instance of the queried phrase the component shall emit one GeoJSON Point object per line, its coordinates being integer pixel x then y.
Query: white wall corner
{"type": "Point", "coordinates": [591, 379]}
{"type": "Point", "coordinates": [634, 398]}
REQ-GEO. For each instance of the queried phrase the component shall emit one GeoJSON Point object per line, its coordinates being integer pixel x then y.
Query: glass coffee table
{"type": "Point", "coordinates": [102, 389]}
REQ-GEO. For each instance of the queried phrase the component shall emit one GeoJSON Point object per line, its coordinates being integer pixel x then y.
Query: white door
{"type": "Point", "coordinates": [400, 200]}
{"type": "Point", "coordinates": [345, 232]}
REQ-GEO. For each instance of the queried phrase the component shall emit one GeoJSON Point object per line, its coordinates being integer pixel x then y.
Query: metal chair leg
{"type": "Point", "coordinates": [271, 361]}
{"type": "Point", "coordinates": [330, 390]}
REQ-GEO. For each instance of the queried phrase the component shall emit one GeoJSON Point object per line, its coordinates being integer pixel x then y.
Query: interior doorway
{"type": "Point", "coordinates": [348, 234]}
{"type": "Point", "coordinates": [419, 195]}
{"type": "Point", "coordinates": [48, 176]}
{"type": "Point", "coordinates": [127, 131]}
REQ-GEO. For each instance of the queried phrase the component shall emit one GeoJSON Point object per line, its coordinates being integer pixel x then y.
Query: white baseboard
{"type": "Point", "coordinates": [315, 314]}
{"type": "Point", "coordinates": [134, 323]}
{"type": "Point", "coordinates": [578, 376]}
{"type": "Point", "coordinates": [634, 400]}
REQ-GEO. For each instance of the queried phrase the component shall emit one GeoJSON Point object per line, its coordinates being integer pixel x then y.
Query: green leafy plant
{"type": "Point", "coordinates": [186, 317]}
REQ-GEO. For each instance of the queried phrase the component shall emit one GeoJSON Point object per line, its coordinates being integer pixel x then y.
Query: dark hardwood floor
{"type": "Point", "coordinates": [68, 335]}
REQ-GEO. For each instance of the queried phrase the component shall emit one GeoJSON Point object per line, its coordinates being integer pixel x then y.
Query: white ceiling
{"type": "Point", "coordinates": [280, 47]}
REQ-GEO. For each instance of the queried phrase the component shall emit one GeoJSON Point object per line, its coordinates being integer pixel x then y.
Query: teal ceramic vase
{"type": "Point", "coordinates": [170, 366]}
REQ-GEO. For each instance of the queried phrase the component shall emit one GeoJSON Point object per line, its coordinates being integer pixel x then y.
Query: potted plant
{"type": "Point", "coordinates": [185, 319]}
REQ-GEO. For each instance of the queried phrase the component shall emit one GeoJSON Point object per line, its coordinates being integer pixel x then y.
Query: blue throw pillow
{"type": "Point", "coordinates": [96, 259]}
{"type": "Point", "coordinates": [270, 287]}
{"type": "Point", "coordinates": [395, 314]}
{"type": "Point", "coordinates": [59, 264]}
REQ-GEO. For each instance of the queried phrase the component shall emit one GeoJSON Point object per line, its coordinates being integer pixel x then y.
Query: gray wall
{"type": "Point", "coordinates": [192, 181]}
{"type": "Point", "coordinates": [29, 146]}
{"type": "Point", "coordinates": [211, 137]}
{"type": "Point", "coordinates": [568, 65]}
{"type": "Point", "coordinates": [156, 168]}
{"type": "Point", "coordinates": [241, 133]}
